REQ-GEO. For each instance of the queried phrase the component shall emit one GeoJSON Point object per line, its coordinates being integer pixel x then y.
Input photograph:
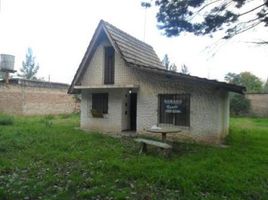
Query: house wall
{"type": "Point", "coordinates": [111, 122]}
{"type": "Point", "coordinates": [209, 107]}
{"type": "Point", "coordinates": [23, 100]}
{"type": "Point", "coordinates": [258, 104]}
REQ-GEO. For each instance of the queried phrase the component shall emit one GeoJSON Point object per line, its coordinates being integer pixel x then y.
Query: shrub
{"type": "Point", "coordinates": [6, 119]}
{"type": "Point", "coordinates": [239, 105]}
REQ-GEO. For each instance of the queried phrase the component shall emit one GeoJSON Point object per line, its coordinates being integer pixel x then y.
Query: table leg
{"type": "Point", "coordinates": [143, 148]}
{"type": "Point", "coordinates": [164, 137]}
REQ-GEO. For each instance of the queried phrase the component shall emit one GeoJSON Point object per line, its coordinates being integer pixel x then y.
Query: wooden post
{"type": "Point", "coordinates": [143, 148]}
{"type": "Point", "coordinates": [164, 136]}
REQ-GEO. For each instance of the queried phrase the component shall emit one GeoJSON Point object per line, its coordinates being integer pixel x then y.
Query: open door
{"type": "Point", "coordinates": [133, 111]}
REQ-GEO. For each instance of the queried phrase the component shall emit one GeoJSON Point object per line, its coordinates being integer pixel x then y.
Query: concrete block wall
{"type": "Point", "coordinates": [209, 107]}
{"type": "Point", "coordinates": [111, 122]}
{"type": "Point", "coordinates": [23, 100]}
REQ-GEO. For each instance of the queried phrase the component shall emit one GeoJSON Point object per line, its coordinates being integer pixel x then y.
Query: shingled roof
{"type": "Point", "coordinates": [133, 50]}
{"type": "Point", "coordinates": [136, 54]}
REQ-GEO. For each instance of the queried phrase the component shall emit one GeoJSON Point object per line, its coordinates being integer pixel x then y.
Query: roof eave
{"type": "Point", "coordinates": [218, 84]}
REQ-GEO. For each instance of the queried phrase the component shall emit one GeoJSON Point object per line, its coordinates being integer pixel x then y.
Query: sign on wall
{"type": "Point", "coordinates": [172, 106]}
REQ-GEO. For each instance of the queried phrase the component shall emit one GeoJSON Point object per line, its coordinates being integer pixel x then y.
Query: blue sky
{"type": "Point", "coordinates": [59, 32]}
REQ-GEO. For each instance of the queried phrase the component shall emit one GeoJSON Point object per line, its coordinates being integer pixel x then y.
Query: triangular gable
{"type": "Point", "coordinates": [90, 52]}
{"type": "Point", "coordinates": [132, 50]}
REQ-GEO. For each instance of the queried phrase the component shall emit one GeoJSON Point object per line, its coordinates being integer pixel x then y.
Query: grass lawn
{"type": "Point", "coordinates": [46, 158]}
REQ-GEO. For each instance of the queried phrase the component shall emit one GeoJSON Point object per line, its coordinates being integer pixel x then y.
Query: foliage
{"type": "Point", "coordinates": [146, 4]}
{"type": "Point", "coordinates": [173, 67]}
{"type": "Point", "coordinates": [205, 17]}
{"type": "Point", "coordinates": [77, 98]}
{"type": "Point", "coordinates": [265, 87]}
{"type": "Point", "coordinates": [184, 69]}
{"type": "Point", "coordinates": [6, 119]}
{"type": "Point", "coordinates": [67, 163]}
{"type": "Point", "coordinates": [165, 61]}
{"type": "Point", "coordinates": [167, 65]}
{"type": "Point", "coordinates": [29, 66]}
{"type": "Point", "coordinates": [239, 105]}
{"type": "Point", "coordinates": [247, 79]}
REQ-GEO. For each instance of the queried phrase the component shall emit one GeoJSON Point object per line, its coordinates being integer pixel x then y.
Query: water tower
{"type": "Point", "coordinates": [7, 65]}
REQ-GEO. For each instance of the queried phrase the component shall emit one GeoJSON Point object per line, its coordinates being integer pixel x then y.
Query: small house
{"type": "Point", "coordinates": [125, 87]}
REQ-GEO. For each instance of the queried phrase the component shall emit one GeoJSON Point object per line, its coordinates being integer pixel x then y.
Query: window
{"type": "Point", "coordinates": [100, 102]}
{"type": "Point", "coordinates": [109, 66]}
{"type": "Point", "coordinates": [174, 109]}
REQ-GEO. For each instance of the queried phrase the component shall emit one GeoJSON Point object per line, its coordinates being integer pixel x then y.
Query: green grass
{"type": "Point", "coordinates": [6, 119]}
{"type": "Point", "coordinates": [47, 158]}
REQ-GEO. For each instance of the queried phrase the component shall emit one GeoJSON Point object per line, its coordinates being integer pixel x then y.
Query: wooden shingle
{"type": "Point", "coordinates": [133, 50]}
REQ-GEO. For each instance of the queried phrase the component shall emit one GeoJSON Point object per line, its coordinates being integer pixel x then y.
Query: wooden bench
{"type": "Point", "coordinates": [144, 143]}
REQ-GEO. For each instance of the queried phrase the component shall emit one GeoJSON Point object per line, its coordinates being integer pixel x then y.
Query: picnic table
{"type": "Point", "coordinates": [162, 145]}
{"type": "Point", "coordinates": [164, 131]}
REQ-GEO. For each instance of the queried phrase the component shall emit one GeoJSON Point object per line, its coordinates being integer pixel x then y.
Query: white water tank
{"type": "Point", "coordinates": [7, 62]}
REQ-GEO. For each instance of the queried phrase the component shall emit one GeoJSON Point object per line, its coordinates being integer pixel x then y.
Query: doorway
{"type": "Point", "coordinates": [133, 111]}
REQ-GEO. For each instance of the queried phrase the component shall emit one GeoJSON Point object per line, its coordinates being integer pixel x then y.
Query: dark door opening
{"type": "Point", "coordinates": [133, 111]}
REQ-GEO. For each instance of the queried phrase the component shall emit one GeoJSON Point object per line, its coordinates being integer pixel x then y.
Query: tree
{"type": "Point", "coordinates": [239, 104]}
{"type": "Point", "coordinates": [205, 17]}
{"type": "Point", "coordinates": [184, 69]}
{"type": "Point", "coordinates": [233, 78]}
{"type": "Point", "coordinates": [247, 79]}
{"type": "Point", "coordinates": [29, 66]}
{"type": "Point", "coordinates": [145, 4]}
{"type": "Point", "coordinates": [173, 67]}
{"type": "Point", "coordinates": [165, 61]}
{"type": "Point", "coordinates": [265, 87]}
{"type": "Point", "coordinates": [168, 66]}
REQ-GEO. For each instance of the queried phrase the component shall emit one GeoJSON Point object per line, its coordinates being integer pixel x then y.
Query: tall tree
{"type": "Point", "coordinates": [29, 66]}
{"type": "Point", "coordinates": [247, 79]}
{"type": "Point", "coordinates": [168, 66]}
{"type": "Point", "coordinates": [165, 61]}
{"type": "Point", "coordinates": [205, 17]}
{"type": "Point", "coordinates": [233, 78]}
{"type": "Point", "coordinates": [184, 69]}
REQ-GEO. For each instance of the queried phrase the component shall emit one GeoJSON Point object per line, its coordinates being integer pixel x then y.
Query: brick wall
{"type": "Point", "coordinates": [26, 100]}
{"type": "Point", "coordinates": [259, 104]}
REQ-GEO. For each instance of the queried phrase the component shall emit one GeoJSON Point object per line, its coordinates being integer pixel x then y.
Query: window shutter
{"type": "Point", "coordinates": [109, 66]}
{"type": "Point", "coordinates": [100, 102]}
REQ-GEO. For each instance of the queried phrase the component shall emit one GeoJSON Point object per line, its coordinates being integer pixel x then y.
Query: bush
{"type": "Point", "coordinates": [239, 105]}
{"type": "Point", "coordinates": [6, 119]}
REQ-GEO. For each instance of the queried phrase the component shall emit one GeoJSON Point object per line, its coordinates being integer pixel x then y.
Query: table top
{"type": "Point", "coordinates": [164, 130]}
